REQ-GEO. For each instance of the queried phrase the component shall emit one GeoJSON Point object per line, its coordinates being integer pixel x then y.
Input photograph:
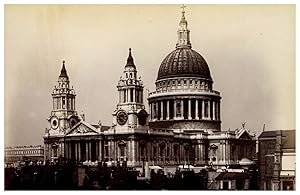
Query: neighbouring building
{"type": "Point", "coordinates": [277, 160]}
{"type": "Point", "coordinates": [18, 153]}
{"type": "Point", "coordinates": [182, 126]}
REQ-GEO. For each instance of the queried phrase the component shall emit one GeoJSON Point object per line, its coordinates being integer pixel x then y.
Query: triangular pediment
{"type": "Point", "coordinates": [82, 128]}
{"type": "Point", "coordinates": [243, 134]}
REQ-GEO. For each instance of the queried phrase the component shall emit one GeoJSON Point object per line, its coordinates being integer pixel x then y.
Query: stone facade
{"type": "Point", "coordinates": [14, 154]}
{"type": "Point", "coordinates": [277, 159]}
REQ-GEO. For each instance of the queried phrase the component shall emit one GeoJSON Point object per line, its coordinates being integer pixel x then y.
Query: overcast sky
{"type": "Point", "coordinates": [250, 50]}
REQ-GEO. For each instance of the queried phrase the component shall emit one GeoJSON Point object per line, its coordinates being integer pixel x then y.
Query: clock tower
{"type": "Point", "coordinates": [63, 114]}
{"type": "Point", "coordinates": [130, 113]}
{"type": "Point", "coordinates": [62, 118]}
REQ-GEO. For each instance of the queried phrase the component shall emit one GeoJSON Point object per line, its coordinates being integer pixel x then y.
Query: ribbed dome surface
{"type": "Point", "coordinates": [183, 62]}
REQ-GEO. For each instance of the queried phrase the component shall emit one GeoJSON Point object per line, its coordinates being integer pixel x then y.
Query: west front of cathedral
{"type": "Point", "coordinates": [181, 127]}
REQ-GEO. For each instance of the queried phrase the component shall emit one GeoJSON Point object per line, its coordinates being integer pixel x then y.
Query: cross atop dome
{"type": "Point", "coordinates": [183, 32]}
{"type": "Point", "coordinates": [183, 12]}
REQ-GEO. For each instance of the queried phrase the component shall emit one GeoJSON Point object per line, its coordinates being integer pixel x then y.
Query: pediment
{"type": "Point", "coordinates": [213, 147]}
{"type": "Point", "coordinates": [244, 135]}
{"type": "Point", "coordinates": [82, 128]}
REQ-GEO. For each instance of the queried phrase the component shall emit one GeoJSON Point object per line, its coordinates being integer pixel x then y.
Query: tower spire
{"type": "Point", "coordinates": [183, 32]}
{"type": "Point", "coordinates": [63, 72]}
{"type": "Point", "coordinates": [130, 59]}
{"type": "Point", "coordinates": [183, 12]}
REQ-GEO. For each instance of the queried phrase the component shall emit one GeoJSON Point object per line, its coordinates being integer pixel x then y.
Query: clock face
{"type": "Point", "coordinates": [142, 117]}
{"type": "Point", "coordinates": [73, 121]}
{"type": "Point", "coordinates": [54, 122]}
{"type": "Point", "coordinates": [122, 118]}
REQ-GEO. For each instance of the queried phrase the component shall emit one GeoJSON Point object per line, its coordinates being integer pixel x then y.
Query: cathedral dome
{"type": "Point", "coordinates": [183, 62]}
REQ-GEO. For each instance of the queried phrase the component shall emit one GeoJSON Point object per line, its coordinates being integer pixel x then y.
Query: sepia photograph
{"type": "Point", "coordinates": [149, 97]}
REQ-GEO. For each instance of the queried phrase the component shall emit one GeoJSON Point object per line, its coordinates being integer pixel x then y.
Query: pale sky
{"type": "Point", "coordinates": [250, 50]}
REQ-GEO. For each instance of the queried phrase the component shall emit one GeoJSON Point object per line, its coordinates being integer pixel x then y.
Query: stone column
{"type": "Point", "coordinates": [219, 111]}
{"type": "Point", "coordinates": [73, 103]}
{"type": "Point", "coordinates": [209, 109]}
{"type": "Point", "coordinates": [224, 152]}
{"type": "Point", "coordinates": [76, 148]}
{"type": "Point", "coordinates": [174, 110]}
{"type": "Point", "coordinates": [86, 151]}
{"type": "Point", "coordinates": [214, 110]}
{"type": "Point", "coordinates": [202, 153]}
{"type": "Point", "coordinates": [156, 110]}
{"type": "Point", "coordinates": [100, 151]}
{"type": "Point", "coordinates": [203, 109]}
{"type": "Point", "coordinates": [168, 110]}
{"type": "Point", "coordinates": [97, 149]}
{"type": "Point", "coordinates": [150, 110]}
{"type": "Point", "coordinates": [109, 150]}
{"type": "Point", "coordinates": [79, 152]}
{"type": "Point", "coordinates": [129, 95]}
{"type": "Point", "coordinates": [197, 154]}
{"type": "Point", "coordinates": [133, 149]}
{"type": "Point", "coordinates": [90, 150]}
{"type": "Point", "coordinates": [190, 109]}
{"type": "Point", "coordinates": [196, 109]}
{"type": "Point", "coordinates": [227, 152]}
{"type": "Point", "coordinates": [181, 109]}
{"type": "Point", "coordinates": [134, 97]}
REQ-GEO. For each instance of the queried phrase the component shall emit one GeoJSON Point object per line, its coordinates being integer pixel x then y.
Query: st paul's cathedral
{"type": "Point", "coordinates": [182, 125]}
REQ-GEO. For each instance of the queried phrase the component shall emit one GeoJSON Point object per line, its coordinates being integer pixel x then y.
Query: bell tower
{"type": "Point", "coordinates": [130, 112]}
{"type": "Point", "coordinates": [63, 115]}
